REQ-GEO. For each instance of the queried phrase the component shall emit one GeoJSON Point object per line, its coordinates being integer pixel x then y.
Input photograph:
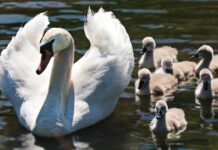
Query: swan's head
{"type": "Point", "coordinates": [54, 41]}
{"type": "Point", "coordinates": [148, 44]}
{"type": "Point", "coordinates": [204, 51]}
{"type": "Point", "coordinates": [161, 109]}
{"type": "Point", "coordinates": [144, 77]}
{"type": "Point", "coordinates": [167, 64]}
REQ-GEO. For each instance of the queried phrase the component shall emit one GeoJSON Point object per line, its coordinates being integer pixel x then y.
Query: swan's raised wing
{"type": "Point", "coordinates": [20, 59]}
{"type": "Point", "coordinates": [102, 74]}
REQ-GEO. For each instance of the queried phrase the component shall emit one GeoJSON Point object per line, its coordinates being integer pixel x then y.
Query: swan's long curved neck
{"type": "Point", "coordinates": [60, 80]}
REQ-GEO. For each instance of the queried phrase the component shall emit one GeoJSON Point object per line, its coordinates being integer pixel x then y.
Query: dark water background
{"type": "Point", "coordinates": [184, 24]}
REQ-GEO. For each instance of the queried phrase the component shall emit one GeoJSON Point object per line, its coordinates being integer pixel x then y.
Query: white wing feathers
{"type": "Point", "coordinates": [107, 66]}
{"type": "Point", "coordinates": [21, 57]}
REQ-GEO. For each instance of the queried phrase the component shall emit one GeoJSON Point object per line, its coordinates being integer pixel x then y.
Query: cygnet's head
{"type": "Point", "coordinates": [148, 44]}
{"type": "Point", "coordinates": [54, 41]}
{"type": "Point", "coordinates": [144, 77]}
{"type": "Point", "coordinates": [204, 51]}
{"type": "Point", "coordinates": [206, 77]}
{"type": "Point", "coordinates": [167, 64]}
{"type": "Point", "coordinates": [161, 109]}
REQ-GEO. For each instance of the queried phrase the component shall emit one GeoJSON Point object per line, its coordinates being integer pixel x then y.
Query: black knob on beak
{"type": "Point", "coordinates": [47, 46]}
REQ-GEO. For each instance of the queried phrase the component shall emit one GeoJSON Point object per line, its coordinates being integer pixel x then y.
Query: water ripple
{"type": "Point", "coordinates": [33, 4]}
{"type": "Point", "coordinates": [13, 18]}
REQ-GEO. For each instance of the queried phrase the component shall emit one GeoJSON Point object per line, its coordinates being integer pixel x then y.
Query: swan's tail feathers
{"type": "Point", "coordinates": [105, 32]}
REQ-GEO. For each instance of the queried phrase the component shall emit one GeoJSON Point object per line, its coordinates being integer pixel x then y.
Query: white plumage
{"type": "Point", "coordinates": [96, 80]}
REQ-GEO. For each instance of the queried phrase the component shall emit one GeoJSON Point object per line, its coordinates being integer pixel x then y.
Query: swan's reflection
{"type": "Point", "coordinates": [28, 142]}
{"type": "Point", "coordinates": [110, 132]}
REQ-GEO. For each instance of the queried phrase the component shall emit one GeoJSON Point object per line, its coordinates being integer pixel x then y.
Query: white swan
{"type": "Point", "coordinates": [66, 98]}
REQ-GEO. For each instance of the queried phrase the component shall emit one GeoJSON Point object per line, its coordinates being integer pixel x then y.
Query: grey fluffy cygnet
{"type": "Point", "coordinates": [208, 60]}
{"type": "Point", "coordinates": [208, 87]}
{"type": "Point", "coordinates": [168, 120]}
{"type": "Point", "coordinates": [181, 70]}
{"type": "Point", "coordinates": [151, 56]}
{"type": "Point", "coordinates": [156, 84]}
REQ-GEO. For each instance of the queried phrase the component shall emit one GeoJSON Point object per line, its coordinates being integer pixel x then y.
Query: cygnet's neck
{"type": "Point", "coordinates": [146, 88]}
{"type": "Point", "coordinates": [149, 59]}
{"type": "Point", "coordinates": [204, 63]}
{"type": "Point", "coordinates": [161, 124]}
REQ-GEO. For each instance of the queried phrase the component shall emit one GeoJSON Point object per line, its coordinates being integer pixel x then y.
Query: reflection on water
{"type": "Point", "coordinates": [184, 24]}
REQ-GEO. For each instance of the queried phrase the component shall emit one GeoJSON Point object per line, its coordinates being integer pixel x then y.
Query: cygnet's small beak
{"type": "Point", "coordinates": [169, 70]}
{"type": "Point", "coordinates": [144, 50]}
{"type": "Point", "coordinates": [196, 55]}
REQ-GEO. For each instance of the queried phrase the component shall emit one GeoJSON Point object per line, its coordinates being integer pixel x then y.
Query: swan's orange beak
{"type": "Point", "coordinates": [45, 58]}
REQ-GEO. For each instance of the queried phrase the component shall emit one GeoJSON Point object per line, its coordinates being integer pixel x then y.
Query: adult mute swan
{"type": "Point", "coordinates": [63, 97]}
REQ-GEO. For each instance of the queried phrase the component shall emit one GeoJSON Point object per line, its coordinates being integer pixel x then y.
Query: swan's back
{"type": "Point", "coordinates": [102, 74]}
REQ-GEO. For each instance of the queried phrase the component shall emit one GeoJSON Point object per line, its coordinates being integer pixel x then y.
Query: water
{"type": "Point", "coordinates": [183, 24]}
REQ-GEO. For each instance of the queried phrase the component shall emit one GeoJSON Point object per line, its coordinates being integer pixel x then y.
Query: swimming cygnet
{"type": "Point", "coordinates": [156, 84]}
{"type": "Point", "coordinates": [208, 59]}
{"type": "Point", "coordinates": [181, 70]}
{"type": "Point", "coordinates": [168, 120]}
{"type": "Point", "coordinates": [151, 56]}
{"type": "Point", "coordinates": [208, 87]}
